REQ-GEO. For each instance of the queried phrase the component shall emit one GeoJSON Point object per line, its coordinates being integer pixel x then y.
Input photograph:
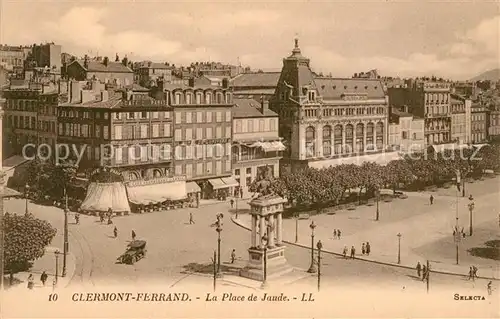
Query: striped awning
{"type": "Point", "coordinates": [275, 146]}
{"type": "Point", "coordinates": [217, 183]}
{"type": "Point", "coordinates": [230, 181]}
{"type": "Point", "coordinates": [156, 193]}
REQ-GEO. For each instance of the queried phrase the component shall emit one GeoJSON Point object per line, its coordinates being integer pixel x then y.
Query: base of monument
{"type": "Point", "coordinates": [276, 263]}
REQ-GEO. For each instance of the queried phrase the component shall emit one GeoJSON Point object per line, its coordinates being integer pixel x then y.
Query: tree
{"type": "Point", "coordinates": [25, 240]}
{"type": "Point", "coordinates": [64, 174]}
{"type": "Point", "coordinates": [105, 61]}
{"type": "Point", "coordinates": [398, 172]}
{"type": "Point", "coordinates": [125, 61]}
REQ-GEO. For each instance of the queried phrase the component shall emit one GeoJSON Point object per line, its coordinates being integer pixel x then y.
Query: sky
{"type": "Point", "coordinates": [448, 39]}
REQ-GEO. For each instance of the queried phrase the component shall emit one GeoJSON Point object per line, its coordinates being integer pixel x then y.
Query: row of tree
{"type": "Point", "coordinates": [47, 178]}
{"type": "Point", "coordinates": [328, 186]}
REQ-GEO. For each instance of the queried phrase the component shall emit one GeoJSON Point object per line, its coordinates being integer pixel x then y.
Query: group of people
{"type": "Point", "coordinates": [365, 250]}
{"type": "Point", "coordinates": [472, 273]}
{"type": "Point", "coordinates": [43, 279]}
{"type": "Point", "coordinates": [337, 233]}
{"type": "Point", "coordinates": [422, 271]}
{"type": "Point", "coordinates": [108, 215]}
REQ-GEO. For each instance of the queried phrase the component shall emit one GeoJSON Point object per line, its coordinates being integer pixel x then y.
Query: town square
{"type": "Point", "coordinates": [331, 159]}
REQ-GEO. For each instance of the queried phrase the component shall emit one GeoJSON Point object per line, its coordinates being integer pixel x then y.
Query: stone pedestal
{"type": "Point", "coordinates": [266, 220]}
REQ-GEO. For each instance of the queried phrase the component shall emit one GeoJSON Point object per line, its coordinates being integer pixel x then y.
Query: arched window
{"type": "Point", "coordinates": [369, 136]}
{"type": "Point", "coordinates": [228, 98]}
{"type": "Point", "coordinates": [178, 98]}
{"type": "Point", "coordinates": [349, 147]}
{"type": "Point", "coordinates": [360, 132]}
{"type": "Point", "coordinates": [327, 140]}
{"type": "Point", "coordinates": [219, 98]}
{"type": "Point", "coordinates": [337, 139]}
{"type": "Point", "coordinates": [199, 97]}
{"type": "Point", "coordinates": [208, 98]}
{"type": "Point", "coordinates": [380, 135]}
{"type": "Point", "coordinates": [310, 142]}
{"type": "Point", "coordinates": [189, 98]}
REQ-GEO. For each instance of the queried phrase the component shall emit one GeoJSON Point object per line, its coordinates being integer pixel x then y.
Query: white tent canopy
{"type": "Point", "coordinates": [102, 196]}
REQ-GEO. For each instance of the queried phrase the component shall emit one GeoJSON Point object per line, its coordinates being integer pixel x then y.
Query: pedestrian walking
{"type": "Point", "coordinates": [191, 220]}
{"type": "Point", "coordinates": [110, 222]}
{"type": "Point", "coordinates": [368, 248]}
{"type": "Point", "coordinates": [471, 273]}
{"type": "Point", "coordinates": [363, 249]}
{"type": "Point", "coordinates": [344, 252]}
{"type": "Point", "coordinates": [353, 252]}
{"type": "Point", "coordinates": [77, 218]}
{"type": "Point", "coordinates": [419, 269]}
{"type": "Point", "coordinates": [101, 217]}
{"type": "Point", "coordinates": [31, 281]}
{"type": "Point", "coordinates": [474, 272]}
{"type": "Point", "coordinates": [338, 233]}
{"type": "Point", "coordinates": [431, 199]}
{"type": "Point", "coordinates": [54, 284]}
{"type": "Point", "coordinates": [115, 232]}
{"type": "Point", "coordinates": [232, 202]}
{"type": "Point", "coordinates": [424, 272]}
{"type": "Point", "coordinates": [133, 235]}
{"type": "Point", "coordinates": [233, 256]}
{"type": "Point", "coordinates": [43, 278]}
{"type": "Point", "coordinates": [334, 234]}
{"type": "Point", "coordinates": [241, 192]}
{"type": "Point", "coordinates": [488, 288]}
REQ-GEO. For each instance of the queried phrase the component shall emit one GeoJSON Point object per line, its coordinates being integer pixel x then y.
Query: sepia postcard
{"type": "Point", "coordinates": [249, 159]}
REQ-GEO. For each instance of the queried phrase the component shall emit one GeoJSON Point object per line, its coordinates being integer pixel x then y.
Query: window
{"type": "Point", "coordinates": [178, 169]}
{"type": "Point", "coordinates": [209, 117]}
{"type": "Point", "coordinates": [249, 171]}
{"type": "Point", "coordinates": [360, 128]}
{"type": "Point", "coordinates": [178, 134]}
{"type": "Point", "coordinates": [144, 153]}
{"type": "Point", "coordinates": [61, 129]}
{"type": "Point", "coordinates": [106, 115]}
{"type": "Point", "coordinates": [199, 169]}
{"type": "Point", "coordinates": [228, 116]}
{"type": "Point", "coordinates": [208, 98]}
{"type": "Point", "coordinates": [337, 139]}
{"type": "Point", "coordinates": [199, 117]}
{"type": "Point", "coordinates": [199, 133]}
{"type": "Point", "coordinates": [218, 132]}
{"type": "Point", "coordinates": [349, 131]}
{"type": "Point", "coordinates": [219, 150]}
{"type": "Point", "coordinates": [261, 125]}
{"type": "Point", "coordinates": [219, 117]}
{"type": "Point", "coordinates": [177, 98]}
{"type": "Point", "coordinates": [178, 117]}
{"type": "Point", "coordinates": [97, 131]}
{"type": "Point", "coordinates": [155, 115]}
{"type": "Point", "coordinates": [208, 133]}
{"type": "Point", "coordinates": [228, 131]}
{"type": "Point", "coordinates": [327, 140]}
{"type": "Point", "coordinates": [144, 131]}
{"type": "Point", "coordinates": [312, 95]}
{"type": "Point", "coordinates": [189, 134]}
{"type": "Point", "coordinates": [167, 131]}
{"type": "Point", "coordinates": [105, 132]}
{"type": "Point", "coordinates": [144, 115]}
{"type": "Point", "coordinates": [166, 115]}
{"type": "Point", "coordinates": [189, 170]}
{"type": "Point", "coordinates": [199, 151]}
{"type": "Point", "coordinates": [189, 98]}
{"type": "Point", "coordinates": [237, 128]}
{"type": "Point", "coordinates": [380, 135]}
{"type": "Point", "coordinates": [210, 167]}
{"type": "Point", "coordinates": [189, 151]}
{"type": "Point", "coordinates": [228, 98]}
{"type": "Point", "coordinates": [156, 130]}
{"type": "Point", "coordinates": [228, 149]}
{"type": "Point", "coordinates": [165, 151]}
{"type": "Point", "coordinates": [198, 97]}
{"type": "Point", "coordinates": [237, 172]}
{"type": "Point", "coordinates": [218, 167]}
{"type": "Point", "coordinates": [272, 124]}
{"type": "Point", "coordinates": [130, 115]}
{"type": "Point", "coordinates": [189, 117]}
{"type": "Point", "coordinates": [250, 126]}
{"type": "Point", "coordinates": [179, 152]}
{"type": "Point", "coordinates": [118, 132]}
{"type": "Point", "coordinates": [414, 136]}
{"type": "Point", "coordinates": [209, 150]}
{"type": "Point", "coordinates": [404, 135]}
{"type": "Point", "coordinates": [227, 166]}
{"type": "Point", "coordinates": [310, 141]}
{"type": "Point", "coordinates": [118, 154]}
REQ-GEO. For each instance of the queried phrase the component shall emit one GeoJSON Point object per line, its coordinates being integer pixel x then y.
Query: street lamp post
{"type": "Point", "coordinates": [296, 227]}
{"type": "Point", "coordinates": [214, 262]}
{"type": "Point", "coordinates": [399, 247]}
{"type": "Point", "coordinates": [312, 268]}
{"type": "Point", "coordinates": [319, 245]}
{"type": "Point", "coordinates": [66, 242]}
{"type": "Point", "coordinates": [264, 277]}
{"type": "Point", "coordinates": [218, 229]}
{"type": "Point", "coordinates": [471, 209]}
{"type": "Point", "coordinates": [26, 190]}
{"type": "Point", "coordinates": [57, 253]}
{"type": "Point", "coordinates": [378, 199]}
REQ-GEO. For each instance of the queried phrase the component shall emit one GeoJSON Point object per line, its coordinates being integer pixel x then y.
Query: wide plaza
{"type": "Point", "coordinates": [179, 254]}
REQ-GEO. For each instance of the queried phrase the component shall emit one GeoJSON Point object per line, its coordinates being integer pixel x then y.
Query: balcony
{"type": "Point", "coordinates": [437, 115]}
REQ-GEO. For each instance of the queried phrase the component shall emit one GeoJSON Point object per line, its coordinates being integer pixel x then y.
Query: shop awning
{"type": "Point", "coordinates": [217, 183]}
{"type": "Point", "coordinates": [192, 187]}
{"type": "Point", "coordinates": [230, 181]}
{"type": "Point", "coordinates": [275, 146]}
{"type": "Point", "coordinates": [156, 193]}
{"type": "Point", "coordinates": [102, 196]}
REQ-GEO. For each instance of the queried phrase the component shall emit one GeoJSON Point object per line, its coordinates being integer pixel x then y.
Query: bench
{"type": "Point", "coordinates": [303, 216]}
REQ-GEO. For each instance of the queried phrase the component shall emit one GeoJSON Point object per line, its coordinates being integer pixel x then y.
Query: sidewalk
{"type": "Point", "coordinates": [46, 263]}
{"type": "Point", "coordinates": [421, 226]}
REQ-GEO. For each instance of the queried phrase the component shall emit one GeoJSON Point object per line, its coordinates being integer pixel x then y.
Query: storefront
{"type": "Point", "coordinates": [193, 194]}
{"type": "Point", "coordinates": [222, 187]}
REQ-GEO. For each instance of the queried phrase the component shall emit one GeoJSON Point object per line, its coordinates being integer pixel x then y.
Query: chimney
{"type": "Point", "coordinates": [104, 96]}
{"type": "Point", "coordinates": [129, 95]}
{"type": "Point", "coordinates": [191, 82]}
{"type": "Point", "coordinates": [264, 105]}
{"type": "Point", "coordinates": [225, 83]}
{"type": "Point", "coordinates": [74, 92]}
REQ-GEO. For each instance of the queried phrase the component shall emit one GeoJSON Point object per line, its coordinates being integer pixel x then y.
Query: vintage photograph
{"type": "Point", "coordinates": [249, 159]}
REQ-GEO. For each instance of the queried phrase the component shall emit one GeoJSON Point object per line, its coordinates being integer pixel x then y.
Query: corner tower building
{"type": "Point", "coordinates": [328, 121]}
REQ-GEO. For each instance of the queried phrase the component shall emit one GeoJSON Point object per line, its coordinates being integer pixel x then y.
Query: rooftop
{"type": "Point", "coordinates": [98, 66]}
{"type": "Point", "coordinates": [401, 113]}
{"type": "Point", "coordinates": [334, 88]}
{"type": "Point", "coordinates": [260, 79]}
{"type": "Point", "coordinates": [244, 108]}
